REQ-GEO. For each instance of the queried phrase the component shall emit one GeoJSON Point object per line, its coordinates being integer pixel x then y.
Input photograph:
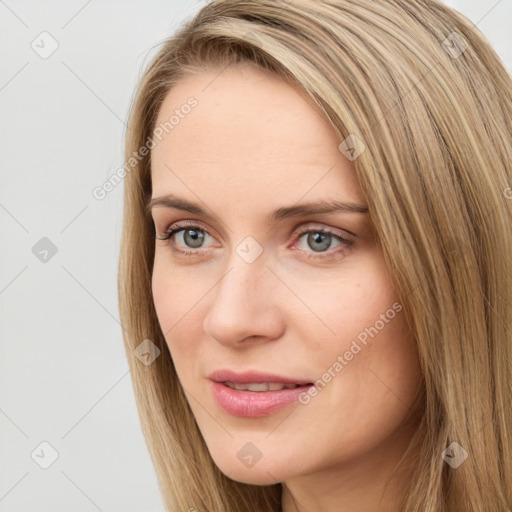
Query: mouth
{"type": "Point", "coordinates": [255, 378]}
{"type": "Point", "coordinates": [255, 393]}
{"type": "Point", "coordinates": [256, 399]}
{"type": "Point", "coordinates": [259, 387]}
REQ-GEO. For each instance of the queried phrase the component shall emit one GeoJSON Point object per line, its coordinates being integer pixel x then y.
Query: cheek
{"type": "Point", "coordinates": [175, 291]}
{"type": "Point", "coordinates": [363, 352]}
{"type": "Point", "coordinates": [179, 300]}
{"type": "Point", "coordinates": [376, 368]}
{"type": "Point", "coordinates": [344, 305]}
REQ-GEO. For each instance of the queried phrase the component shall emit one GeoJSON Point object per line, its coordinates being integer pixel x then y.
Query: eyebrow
{"type": "Point", "coordinates": [320, 207]}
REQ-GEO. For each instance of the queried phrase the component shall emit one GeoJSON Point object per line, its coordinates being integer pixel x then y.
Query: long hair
{"type": "Point", "coordinates": [429, 102]}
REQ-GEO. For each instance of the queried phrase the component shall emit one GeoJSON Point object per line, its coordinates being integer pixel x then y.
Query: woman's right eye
{"type": "Point", "coordinates": [192, 238]}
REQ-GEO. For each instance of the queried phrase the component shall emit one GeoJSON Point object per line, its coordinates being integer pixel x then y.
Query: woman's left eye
{"type": "Point", "coordinates": [319, 240]}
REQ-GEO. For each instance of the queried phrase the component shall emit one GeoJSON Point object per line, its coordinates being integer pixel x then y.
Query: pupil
{"type": "Point", "coordinates": [196, 237]}
{"type": "Point", "coordinates": [319, 237]}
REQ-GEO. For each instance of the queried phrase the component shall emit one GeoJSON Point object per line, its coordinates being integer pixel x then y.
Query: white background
{"type": "Point", "coordinates": [64, 374]}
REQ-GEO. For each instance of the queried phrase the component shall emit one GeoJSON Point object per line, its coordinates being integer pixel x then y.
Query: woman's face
{"type": "Point", "coordinates": [273, 286]}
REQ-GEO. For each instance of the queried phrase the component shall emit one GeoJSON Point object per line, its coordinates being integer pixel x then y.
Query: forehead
{"type": "Point", "coordinates": [249, 132]}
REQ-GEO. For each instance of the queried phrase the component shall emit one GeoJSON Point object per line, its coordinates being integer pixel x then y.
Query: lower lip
{"type": "Point", "coordinates": [252, 404]}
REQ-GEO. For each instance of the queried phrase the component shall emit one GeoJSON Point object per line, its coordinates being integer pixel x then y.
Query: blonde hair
{"type": "Point", "coordinates": [426, 94]}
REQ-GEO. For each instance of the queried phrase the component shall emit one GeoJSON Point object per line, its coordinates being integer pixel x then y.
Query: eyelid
{"type": "Point", "coordinates": [183, 224]}
{"type": "Point", "coordinates": [312, 226]}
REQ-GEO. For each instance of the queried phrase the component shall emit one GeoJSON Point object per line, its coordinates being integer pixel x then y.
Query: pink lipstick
{"type": "Point", "coordinates": [254, 394]}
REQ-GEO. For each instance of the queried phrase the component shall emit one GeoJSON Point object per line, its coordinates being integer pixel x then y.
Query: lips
{"type": "Point", "coordinates": [253, 394]}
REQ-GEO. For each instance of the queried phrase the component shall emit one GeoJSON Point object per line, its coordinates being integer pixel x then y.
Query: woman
{"type": "Point", "coordinates": [315, 274]}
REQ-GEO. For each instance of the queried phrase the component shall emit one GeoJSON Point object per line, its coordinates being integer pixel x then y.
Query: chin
{"type": "Point", "coordinates": [258, 478]}
{"type": "Point", "coordinates": [259, 474]}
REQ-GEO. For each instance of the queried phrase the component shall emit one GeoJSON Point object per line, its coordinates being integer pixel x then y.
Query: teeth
{"type": "Point", "coordinates": [264, 386]}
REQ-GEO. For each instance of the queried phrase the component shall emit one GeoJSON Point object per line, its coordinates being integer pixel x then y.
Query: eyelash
{"type": "Point", "coordinates": [176, 228]}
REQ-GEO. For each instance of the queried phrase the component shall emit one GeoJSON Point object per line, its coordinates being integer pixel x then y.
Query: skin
{"type": "Point", "coordinates": [254, 144]}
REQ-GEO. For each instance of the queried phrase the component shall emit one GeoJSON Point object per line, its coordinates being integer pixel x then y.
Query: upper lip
{"type": "Point", "coordinates": [253, 377]}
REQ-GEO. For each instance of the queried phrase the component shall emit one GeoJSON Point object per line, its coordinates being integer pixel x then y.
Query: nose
{"type": "Point", "coordinates": [245, 305]}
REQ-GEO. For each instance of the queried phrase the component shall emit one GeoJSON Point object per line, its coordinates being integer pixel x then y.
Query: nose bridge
{"type": "Point", "coordinates": [247, 273]}
{"type": "Point", "coordinates": [237, 282]}
{"type": "Point", "coordinates": [242, 306]}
